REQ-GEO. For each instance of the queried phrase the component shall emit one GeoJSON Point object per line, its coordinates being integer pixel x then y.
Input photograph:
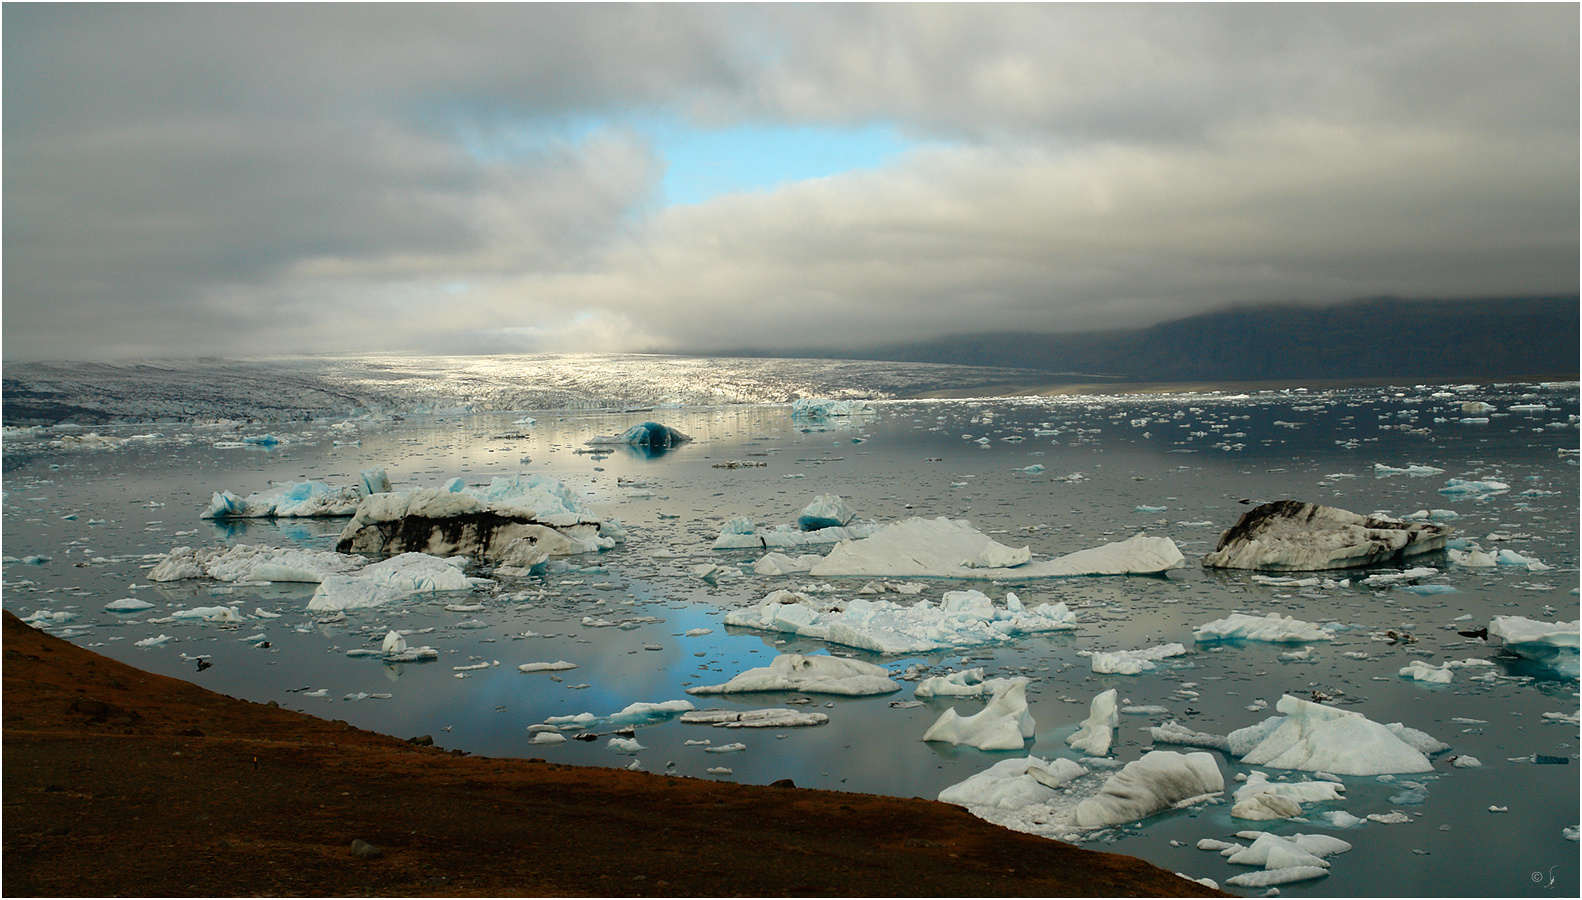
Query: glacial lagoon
{"type": "Point", "coordinates": [85, 520]}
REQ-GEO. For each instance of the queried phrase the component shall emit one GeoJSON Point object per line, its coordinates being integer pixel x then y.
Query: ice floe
{"type": "Point", "coordinates": [961, 619]}
{"type": "Point", "coordinates": [810, 675]}
{"type": "Point", "coordinates": [1289, 535]}
{"type": "Point", "coordinates": [1271, 627]}
{"type": "Point", "coordinates": [1004, 724]}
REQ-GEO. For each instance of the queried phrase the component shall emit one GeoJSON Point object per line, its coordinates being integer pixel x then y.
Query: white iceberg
{"type": "Point", "coordinates": [129, 604]}
{"type": "Point", "coordinates": [1272, 628]}
{"type": "Point", "coordinates": [962, 619]}
{"type": "Point", "coordinates": [557, 666]}
{"type": "Point", "coordinates": [780, 564]}
{"type": "Point", "coordinates": [393, 579]}
{"type": "Point", "coordinates": [1098, 729]}
{"type": "Point", "coordinates": [946, 548]}
{"type": "Point", "coordinates": [1316, 738]}
{"type": "Point", "coordinates": [823, 407]}
{"type": "Point", "coordinates": [211, 614]}
{"type": "Point", "coordinates": [1014, 783]}
{"type": "Point", "coordinates": [754, 718]}
{"type": "Point", "coordinates": [1160, 780]}
{"type": "Point", "coordinates": [1289, 535]}
{"type": "Point", "coordinates": [1459, 486]}
{"type": "Point", "coordinates": [810, 675]}
{"type": "Point", "coordinates": [740, 533]}
{"type": "Point", "coordinates": [968, 683]}
{"type": "Point", "coordinates": [1133, 662]}
{"type": "Point", "coordinates": [1262, 799]}
{"type": "Point", "coordinates": [1418, 670]}
{"type": "Point", "coordinates": [1552, 645]}
{"type": "Point", "coordinates": [249, 562]}
{"type": "Point", "coordinates": [299, 500]}
{"type": "Point", "coordinates": [1004, 724]}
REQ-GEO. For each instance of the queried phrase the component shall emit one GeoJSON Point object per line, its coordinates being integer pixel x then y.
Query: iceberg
{"type": "Point", "coordinates": [1160, 780]}
{"type": "Point", "coordinates": [1460, 486]}
{"type": "Point", "coordinates": [753, 718]}
{"type": "Point", "coordinates": [1098, 729]}
{"type": "Point", "coordinates": [1004, 724]}
{"type": "Point", "coordinates": [826, 511]}
{"type": "Point", "coordinates": [962, 619]}
{"type": "Point", "coordinates": [809, 675]}
{"type": "Point", "coordinates": [946, 548]}
{"type": "Point", "coordinates": [823, 408]}
{"type": "Point", "coordinates": [1292, 536]}
{"type": "Point", "coordinates": [128, 604]}
{"type": "Point", "coordinates": [1317, 738]}
{"type": "Point", "coordinates": [1418, 670]}
{"type": "Point", "coordinates": [1262, 799]}
{"type": "Point", "coordinates": [299, 500]}
{"type": "Point", "coordinates": [1273, 628]}
{"type": "Point", "coordinates": [649, 435]}
{"type": "Point", "coordinates": [1552, 645]}
{"type": "Point", "coordinates": [518, 521]}
{"type": "Point", "coordinates": [393, 579]}
{"type": "Point", "coordinates": [248, 562]}
{"type": "Point", "coordinates": [634, 715]}
{"type": "Point", "coordinates": [1014, 783]}
{"type": "Point", "coordinates": [969, 683]}
{"type": "Point", "coordinates": [740, 533]}
{"type": "Point", "coordinates": [781, 564]}
{"type": "Point", "coordinates": [1133, 662]}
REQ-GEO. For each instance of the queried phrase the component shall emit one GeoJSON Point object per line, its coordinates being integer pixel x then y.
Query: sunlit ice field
{"type": "Point", "coordinates": [82, 526]}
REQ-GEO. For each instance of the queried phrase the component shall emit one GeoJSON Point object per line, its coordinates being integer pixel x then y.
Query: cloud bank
{"type": "Point", "coordinates": [262, 179]}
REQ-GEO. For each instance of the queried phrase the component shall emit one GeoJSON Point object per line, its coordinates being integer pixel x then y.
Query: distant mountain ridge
{"type": "Point", "coordinates": [1525, 337]}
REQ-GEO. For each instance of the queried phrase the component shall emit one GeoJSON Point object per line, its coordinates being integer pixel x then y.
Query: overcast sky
{"type": "Point", "coordinates": [260, 179]}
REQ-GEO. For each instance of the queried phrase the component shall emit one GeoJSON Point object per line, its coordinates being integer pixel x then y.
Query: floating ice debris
{"type": "Point", "coordinates": [1436, 514]}
{"type": "Point", "coordinates": [518, 522]}
{"type": "Point", "coordinates": [634, 715]}
{"type": "Point", "coordinates": [1004, 724]}
{"type": "Point", "coordinates": [248, 562]}
{"type": "Point", "coordinates": [1459, 486]}
{"type": "Point", "coordinates": [547, 737]}
{"type": "Point", "coordinates": [1390, 818]}
{"type": "Point", "coordinates": [726, 748]}
{"type": "Point", "coordinates": [625, 745]}
{"type": "Point", "coordinates": [946, 548]}
{"type": "Point", "coordinates": [1133, 662]}
{"type": "Point", "coordinates": [1418, 670]}
{"type": "Point", "coordinates": [153, 641]}
{"type": "Point", "coordinates": [1403, 577]}
{"type": "Point", "coordinates": [1176, 733]}
{"type": "Point", "coordinates": [1273, 628]}
{"type": "Point", "coordinates": [559, 666]}
{"type": "Point", "coordinates": [1160, 780]}
{"type": "Point", "coordinates": [1552, 645]}
{"type": "Point", "coordinates": [962, 619]}
{"type": "Point", "coordinates": [822, 408]}
{"type": "Point", "coordinates": [754, 718]}
{"type": "Point", "coordinates": [298, 500]}
{"type": "Point", "coordinates": [1289, 535]}
{"type": "Point", "coordinates": [717, 770]}
{"type": "Point", "coordinates": [1512, 558]}
{"type": "Point", "coordinates": [1318, 738]}
{"type": "Point", "coordinates": [1262, 799]}
{"type": "Point", "coordinates": [826, 511]}
{"type": "Point", "coordinates": [129, 604]}
{"type": "Point", "coordinates": [1014, 783]}
{"type": "Point", "coordinates": [1097, 731]}
{"type": "Point", "coordinates": [969, 683]}
{"type": "Point", "coordinates": [1465, 761]}
{"type": "Point", "coordinates": [810, 675]}
{"type": "Point", "coordinates": [650, 435]}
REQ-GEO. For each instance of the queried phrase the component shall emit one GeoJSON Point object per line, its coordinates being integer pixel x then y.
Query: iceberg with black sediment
{"type": "Point", "coordinates": [518, 521]}
{"type": "Point", "coordinates": [952, 548]}
{"type": "Point", "coordinates": [754, 718]}
{"type": "Point", "coordinates": [961, 619]}
{"type": "Point", "coordinates": [1292, 536]}
{"type": "Point", "coordinates": [809, 675]}
{"type": "Point", "coordinates": [301, 499]}
{"type": "Point", "coordinates": [1004, 724]}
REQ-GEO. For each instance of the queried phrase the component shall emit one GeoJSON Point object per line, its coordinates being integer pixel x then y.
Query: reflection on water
{"type": "Point", "coordinates": [1183, 467]}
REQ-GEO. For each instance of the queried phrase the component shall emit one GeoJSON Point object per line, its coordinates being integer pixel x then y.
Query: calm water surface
{"type": "Point", "coordinates": [1179, 466]}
